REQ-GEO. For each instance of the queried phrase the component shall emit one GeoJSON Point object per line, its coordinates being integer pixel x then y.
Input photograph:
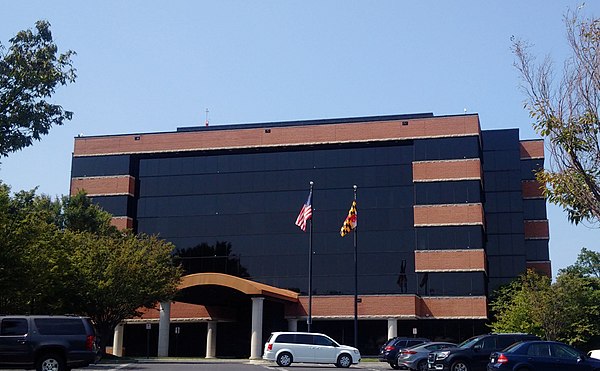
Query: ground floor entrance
{"type": "Point", "coordinates": [217, 315]}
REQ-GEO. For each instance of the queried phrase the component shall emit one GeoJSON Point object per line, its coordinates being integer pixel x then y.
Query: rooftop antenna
{"type": "Point", "coordinates": [206, 122]}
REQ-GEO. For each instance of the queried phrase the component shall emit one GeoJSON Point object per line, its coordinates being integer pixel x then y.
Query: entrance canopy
{"type": "Point", "coordinates": [247, 287]}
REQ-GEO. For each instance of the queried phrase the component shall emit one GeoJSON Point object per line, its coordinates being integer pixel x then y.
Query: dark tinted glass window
{"type": "Point", "coordinates": [451, 237]}
{"type": "Point", "coordinates": [448, 192]}
{"type": "Point", "coordinates": [100, 166]}
{"type": "Point", "coordinates": [505, 341]}
{"type": "Point", "coordinates": [304, 339]}
{"type": "Point", "coordinates": [561, 351]}
{"type": "Point", "coordinates": [321, 340]}
{"type": "Point", "coordinates": [115, 205]}
{"type": "Point", "coordinates": [534, 209]}
{"type": "Point", "coordinates": [285, 338]}
{"type": "Point", "coordinates": [488, 343]}
{"type": "Point", "coordinates": [500, 140]}
{"type": "Point", "coordinates": [530, 167]}
{"type": "Point", "coordinates": [13, 326]}
{"type": "Point", "coordinates": [502, 181]}
{"type": "Point", "coordinates": [538, 350]}
{"type": "Point", "coordinates": [537, 250]}
{"type": "Point", "coordinates": [446, 148]}
{"type": "Point", "coordinates": [59, 326]}
{"type": "Point", "coordinates": [451, 283]}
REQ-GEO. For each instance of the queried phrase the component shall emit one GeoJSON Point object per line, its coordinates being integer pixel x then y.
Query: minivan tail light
{"type": "Point", "coordinates": [501, 358]}
{"type": "Point", "coordinates": [270, 347]}
{"type": "Point", "coordinates": [89, 342]}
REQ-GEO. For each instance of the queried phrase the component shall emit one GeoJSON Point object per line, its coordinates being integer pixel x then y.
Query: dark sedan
{"type": "Point", "coordinates": [415, 357]}
{"type": "Point", "coordinates": [541, 356]}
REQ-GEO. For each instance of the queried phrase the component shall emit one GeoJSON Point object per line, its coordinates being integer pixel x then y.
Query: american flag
{"type": "Point", "coordinates": [305, 213]}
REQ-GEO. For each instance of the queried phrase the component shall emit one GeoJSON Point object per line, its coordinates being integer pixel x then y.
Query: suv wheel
{"type": "Point", "coordinates": [344, 361]}
{"type": "Point", "coordinates": [394, 365]}
{"type": "Point", "coordinates": [284, 359]}
{"type": "Point", "coordinates": [50, 362]}
{"type": "Point", "coordinates": [459, 366]}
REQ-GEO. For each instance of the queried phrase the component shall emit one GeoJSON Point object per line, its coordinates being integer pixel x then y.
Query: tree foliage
{"type": "Point", "coordinates": [566, 115]}
{"type": "Point", "coordinates": [30, 71]}
{"type": "Point", "coordinates": [567, 310]}
{"type": "Point", "coordinates": [119, 274]}
{"type": "Point", "coordinates": [62, 256]}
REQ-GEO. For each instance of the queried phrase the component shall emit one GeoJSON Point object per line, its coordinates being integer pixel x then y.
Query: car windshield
{"type": "Point", "coordinates": [469, 342]}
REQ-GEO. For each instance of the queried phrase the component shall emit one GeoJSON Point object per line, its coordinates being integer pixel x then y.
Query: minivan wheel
{"type": "Point", "coordinates": [344, 361]}
{"type": "Point", "coordinates": [50, 362]}
{"type": "Point", "coordinates": [459, 366]}
{"type": "Point", "coordinates": [284, 359]}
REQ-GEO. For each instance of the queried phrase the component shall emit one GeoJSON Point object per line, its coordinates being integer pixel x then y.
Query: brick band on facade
{"type": "Point", "coordinates": [435, 127]}
{"type": "Point", "coordinates": [391, 306]}
{"type": "Point", "coordinates": [450, 260]}
{"type": "Point", "coordinates": [532, 149]}
{"type": "Point", "coordinates": [453, 214]}
{"type": "Point", "coordinates": [429, 171]}
{"type": "Point", "coordinates": [537, 229]}
{"type": "Point", "coordinates": [532, 189]}
{"type": "Point", "coordinates": [104, 186]}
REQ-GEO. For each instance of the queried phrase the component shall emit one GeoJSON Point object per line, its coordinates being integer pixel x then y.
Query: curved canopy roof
{"type": "Point", "coordinates": [240, 284]}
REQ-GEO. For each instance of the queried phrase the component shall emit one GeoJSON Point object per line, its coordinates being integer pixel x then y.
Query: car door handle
{"type": "Point", "coordinates": [21, 341]}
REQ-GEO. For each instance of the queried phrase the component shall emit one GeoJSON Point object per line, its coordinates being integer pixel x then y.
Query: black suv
{"type": "Point", "coordinates": [389, 351]}
{"type": "Point", "coordinates": [473, 354]}
{"type": "Point", "coordinates": [48, 343]}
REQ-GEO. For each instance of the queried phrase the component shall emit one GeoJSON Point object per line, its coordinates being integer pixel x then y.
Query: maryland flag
{"type": "Point", "coordinates": [350, 222]}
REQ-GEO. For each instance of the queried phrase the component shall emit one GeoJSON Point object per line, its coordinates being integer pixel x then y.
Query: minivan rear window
{"type": "Point", "coordinates": [59, 326]}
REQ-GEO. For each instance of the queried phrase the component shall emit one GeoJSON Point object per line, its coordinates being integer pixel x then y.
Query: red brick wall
{"type": "Point", "coordinates": [391, 306]}
{"type": "Point", "coordinates": [455, 214]}
{"type": "Point", "coordinates": [532, 189]}
{"type": "Point", "coordinates": [446, 170]}
{"type": "Point", "coordinates": [532, 149]}
{"type": "Point", "coordinates": [103, 186]}
{"type": "Point", "coordinates": [542, 267]}
{"type": "Point", "coordinates": [537, 229]}
{"type": "Point", "coordinates": [122, 222]}
{"type": "Point", "coordinates": [449, 260]}
{"type": "Point", "coordinates": [279, 136]}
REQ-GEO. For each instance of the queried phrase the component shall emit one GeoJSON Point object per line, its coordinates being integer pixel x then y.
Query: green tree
{"type": "Point", "coordinates": [118, 275]}
{"type": "Point", "coordinates": [587, 264]}
{"type": "Point", "coordinates": [30, 71]}
{"type": "Point", "coordinates": [565, 112]}
{"type": "Point", "coordinates": [62, 256]}
{"type": "Point", "coordinates": [567, 310]}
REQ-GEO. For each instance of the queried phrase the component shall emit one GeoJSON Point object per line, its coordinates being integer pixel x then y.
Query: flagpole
{"type": "Point", "coordinates": [355, 280]}
{"type": "Point", "coordinates": [310, 258]}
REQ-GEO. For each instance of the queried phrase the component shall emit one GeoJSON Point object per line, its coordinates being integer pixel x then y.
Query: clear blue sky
{"type": "Point", "coordinates": [148, 66]}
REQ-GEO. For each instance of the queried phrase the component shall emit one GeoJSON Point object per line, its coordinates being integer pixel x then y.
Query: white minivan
{"type": "Point", "coordinates": [287, 347]}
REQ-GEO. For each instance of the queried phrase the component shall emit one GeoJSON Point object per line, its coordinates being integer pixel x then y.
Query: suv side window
{"type": "Point", "coordinates": [410, 343]}
{"type": "Point", "coordinates": [13, 326]}
{"type": "Point", "coordinates": [505, 341]}
{"type": "Point", "coordinates": [487, 343]}
{"type": "Point", "coordinates": [59, 326]}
